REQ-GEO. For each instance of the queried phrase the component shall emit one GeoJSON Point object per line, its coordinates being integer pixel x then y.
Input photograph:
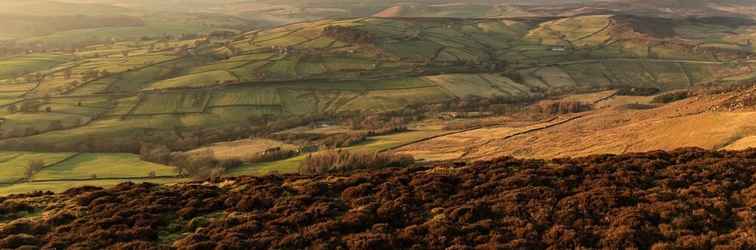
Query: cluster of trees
{"type": "Point", "coordinates": [201, 165]}
{"type": "Point", "coordinates": [93, 74]}
{"type": "Point", "coordinates": [378, 122]}
{"type": "Point", "coordinates": [348, 34]}
{"type": "Point", "coordinates": [342, 161]}
{"type": "Point", "coordinates": [337, 140]}
{"type": "Point", "coordinates": [498, 105]}
{"type": "Point", "coordinates": [671, 97]}
{"type": "Point", "coordinates": [633, 91]}
{"type": "Point", "coordinates": [561, 107]}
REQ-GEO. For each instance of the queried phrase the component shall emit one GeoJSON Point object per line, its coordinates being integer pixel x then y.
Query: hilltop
{"type": "Point", "coordinates": [687, 198]}
{"type": "Point", "coordinates": [55, 25]}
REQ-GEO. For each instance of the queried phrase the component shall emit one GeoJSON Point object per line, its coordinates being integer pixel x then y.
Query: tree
{"type": "Point", "coordinates": [155, 153]}
{"type": "Point", "coordinates": [67, 73]}
{"type": "Point", "coordinates": [56, 125]}
{"type": "Point", "coordinates": [33, 167]}
{"type": "Point", "coordinates": [12, 108]}
{"type": "Point", "coordinates": [29, 106]}
{"type": "Point", "coordinates": [39, 78]}
{"type": "Point", "coordinates": [90, 75]}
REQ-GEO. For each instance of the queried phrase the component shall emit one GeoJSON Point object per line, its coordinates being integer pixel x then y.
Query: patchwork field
{"type": "Point", "coordinates": [125, 90]}
{"type": "Point", "coordinates": [13, 164]}
{"type": "Point", "coordinates": [106, 166]}
{"type": "Point", "coordinates": [60, 171]}
{"type": "Point", "coordinates": [243, 149]}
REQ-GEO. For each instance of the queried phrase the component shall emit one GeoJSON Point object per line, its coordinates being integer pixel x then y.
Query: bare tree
{"type": "Point", "coordinates": [12, 108]}
{"type": "Point", "coordinates": [33, 167]}
{"type": "Point", "coordinates": [67, 73]}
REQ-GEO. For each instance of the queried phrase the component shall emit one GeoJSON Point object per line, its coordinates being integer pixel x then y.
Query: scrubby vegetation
{"type": "Point", "coordinates": [631, 91]}
{"type": "Point", "coordinates": [341, 161]}
{"type": "Point", "coordinates": [348, 35]}
{"type": "Point", "coordinates": [671, 97]}
{"type": "Point", "coordinates": [684, 199]}
{"type": "Point", "coordinates": [561, 107]}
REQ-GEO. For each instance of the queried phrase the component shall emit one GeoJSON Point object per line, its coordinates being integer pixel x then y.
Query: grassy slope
{"type": "Point", "coordinates": [288, 88]}
{"type": "Point", "coordinates": [13, 165]}
{"type": "Point", "coordinates": [299, 82]}
{"type": "Point", "coordinates": [18, 65]}
{"type": "Point", "coordinates": [103, 166]}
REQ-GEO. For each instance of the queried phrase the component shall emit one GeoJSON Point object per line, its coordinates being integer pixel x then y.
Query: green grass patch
{"type": "Point", "coordinates": [171, 103]}
{"type": "Point", "coordinates": [84, 166]}
{"type": "Point", "coordinates": [18, 65]}
{"type": "Point", "coordinates": [14, 164]}
{"type": "Point", "coordinates": [204, 79]}
{"type": "Point", "coordinates": [60, 186]}
{"type": "Point", "coordinates": [245, 96]}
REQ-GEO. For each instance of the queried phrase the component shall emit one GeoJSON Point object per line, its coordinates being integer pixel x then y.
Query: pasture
{"type": "Point", "coordinates": [127, 88]}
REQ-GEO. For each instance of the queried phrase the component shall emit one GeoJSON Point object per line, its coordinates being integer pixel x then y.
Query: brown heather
{"type": "Point", "coordinates": [684, 199]}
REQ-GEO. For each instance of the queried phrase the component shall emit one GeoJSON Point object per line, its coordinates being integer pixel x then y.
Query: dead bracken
{"type": "Point", "coordinates": [683, 199]}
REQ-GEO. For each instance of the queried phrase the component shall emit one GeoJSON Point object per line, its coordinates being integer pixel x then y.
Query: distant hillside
{"type": "Point", "coordinates": [337, 66]}
{"type": "Point", "coordinates": [51, 24]}
{"type": "Point", "coordinates": [688, 198]}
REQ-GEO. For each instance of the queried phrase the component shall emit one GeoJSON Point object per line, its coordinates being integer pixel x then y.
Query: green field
{"type": "Point", "coordinates": [120, 166]}
{"type": "Point", "coordinates": [20, 65]}
{"type": "Point", "coordinates": [61, 186]}
{"type": "Point", "coordinates": [211, 78]}
{"type": "Point", "coordinates": [13, 164]}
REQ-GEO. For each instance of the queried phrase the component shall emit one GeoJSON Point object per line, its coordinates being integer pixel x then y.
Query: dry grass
{"type": "Point", "coordinates": [458, 146]}
{"type": "Point", "coordinates": [243, 149]}
{"type": "Point", "coordinates": [743, 143]}
{"type": "Point", "coordinates": [615, 128]}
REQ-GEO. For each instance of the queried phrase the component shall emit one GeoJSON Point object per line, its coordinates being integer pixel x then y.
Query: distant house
{"type": "Point", "coordinates": [748, 46]}
{"type": "Point", "coordinates": [271, 151]}
{"type": "Point", "coordinates": [448, 115]}
{"type": "Point", "coordinates": [559, 49]}
{"type": "Point", "coordinates": [308, 149]}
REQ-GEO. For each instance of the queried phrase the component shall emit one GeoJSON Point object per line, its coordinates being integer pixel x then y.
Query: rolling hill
{"type": "Point", "coordinates": [348, 124]}
{"type": "Point", "coordinates": [363, 64]}
{"type": "Point", "coordinates": [50, 24]}
{"type": "Point", "coordinates": [195, 90]}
